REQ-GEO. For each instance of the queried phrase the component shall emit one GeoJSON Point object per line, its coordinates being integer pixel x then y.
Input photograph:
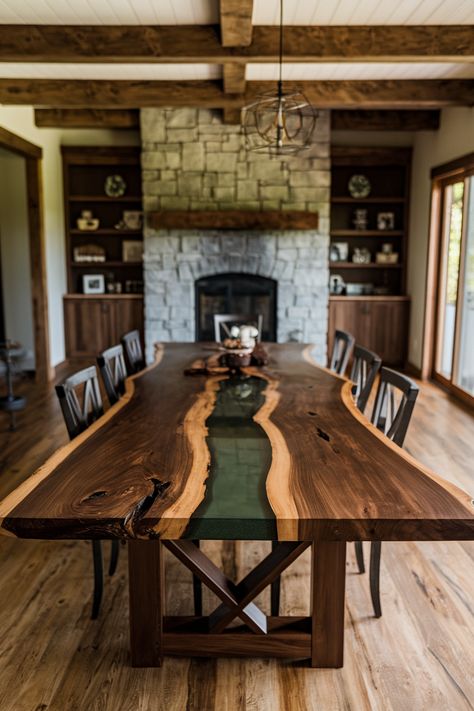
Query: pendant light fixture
{"type": "Point", "coordinates": [279, 123]}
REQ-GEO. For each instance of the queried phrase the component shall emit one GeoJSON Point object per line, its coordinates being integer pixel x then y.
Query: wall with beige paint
{"type": "Point", "coordinates": [20, 120]}
{"type": "Point", "coordinates": [454, 138]}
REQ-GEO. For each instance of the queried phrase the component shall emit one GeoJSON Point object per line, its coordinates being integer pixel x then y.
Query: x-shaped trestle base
{"type": "Point", "coordinates": [237, 598]}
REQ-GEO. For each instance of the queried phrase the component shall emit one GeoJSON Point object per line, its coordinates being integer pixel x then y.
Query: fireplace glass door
{"type": "Point", "coordinates": [245, 294]}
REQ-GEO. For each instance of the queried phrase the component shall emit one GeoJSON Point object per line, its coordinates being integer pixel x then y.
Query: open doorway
{"type": "Point", "coordinates": [15, 280]}
{"type": "Point", "coordinates": [25, 304]}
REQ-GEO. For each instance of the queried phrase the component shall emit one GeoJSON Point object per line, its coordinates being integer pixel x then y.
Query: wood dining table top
{"type": "Point", "coordinates": [277, 452]}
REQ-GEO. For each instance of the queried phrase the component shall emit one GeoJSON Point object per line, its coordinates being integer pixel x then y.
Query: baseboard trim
{"type": "Point", "coordinates": [413, 370]}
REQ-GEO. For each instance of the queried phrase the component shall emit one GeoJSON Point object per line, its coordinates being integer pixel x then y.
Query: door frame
{"type": "Point", "coordinates": [441, 176]}
{"type": "Point", "coordinates": [33, 155]}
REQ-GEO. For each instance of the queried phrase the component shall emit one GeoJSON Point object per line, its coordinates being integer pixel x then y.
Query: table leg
{"type": "Point", "coordinates": [328, 578]}
{"type": "Point", "coordinates": [146, 590]}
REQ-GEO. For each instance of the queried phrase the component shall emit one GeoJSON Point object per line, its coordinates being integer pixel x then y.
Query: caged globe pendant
{"type": "Point", "coordinates": [281, 123]}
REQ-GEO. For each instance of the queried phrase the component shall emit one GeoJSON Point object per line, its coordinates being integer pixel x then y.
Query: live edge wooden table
{"type": "Point", "coordinates": [278, 453]}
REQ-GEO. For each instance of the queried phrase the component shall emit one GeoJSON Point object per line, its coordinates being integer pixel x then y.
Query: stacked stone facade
{"type": "Point", "coordinates": [192, 161]}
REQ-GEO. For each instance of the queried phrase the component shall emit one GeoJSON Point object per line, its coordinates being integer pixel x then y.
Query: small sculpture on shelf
{"type": "Point", "coordinates": [115, 186]}
{"type": "Point", "coordinates": [387, 255]}
{"type": "Point", "coordinates": [361, 255]}
{"type": "Point", "coordinates": [360, 219]}
{"type": "Point", "coordinates": [87, 222]}
{"type": "Point", "coordinates": [131, 220]}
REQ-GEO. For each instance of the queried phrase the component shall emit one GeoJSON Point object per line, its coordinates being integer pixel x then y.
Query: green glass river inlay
{"type": "Point", "coordinates": [241, 455]}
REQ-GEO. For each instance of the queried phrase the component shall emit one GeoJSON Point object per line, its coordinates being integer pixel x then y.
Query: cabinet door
{"type": "Point", "coordinates": [128, 317]}
{"type": "Point", "coordinates": [88, 326]}
{"type": "Point", "coordinates": [351, 316]}
{"type": "Point", "coordinates": [389, 330]}
{"type": "Point", "coordinates": [381, 326]}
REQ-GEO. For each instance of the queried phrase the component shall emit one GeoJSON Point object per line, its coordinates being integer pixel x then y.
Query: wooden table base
{"type": "Point", "coordinates": [319, 637]}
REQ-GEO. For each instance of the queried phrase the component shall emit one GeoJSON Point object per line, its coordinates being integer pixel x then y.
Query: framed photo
{"type": "Point", "coordinates": [385, 220]}
{"type": "Point", "coordinates": [132, 250]}
{"type": "Point", "coordinates": [339, 252]}
{"type": "Point", "coordinates": [93, 284]}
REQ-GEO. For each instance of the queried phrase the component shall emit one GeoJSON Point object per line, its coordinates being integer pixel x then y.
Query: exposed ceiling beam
{"type": "Point", "coordinates": [360, 120]}
{"type": "Point", "coordinates": [87, 118]}
{"type": "Point", "coordinates": [341, 119]}
{"type": "Point", "coordinates": [236, 22]}
{"type": "Point", "coordinates": [234, 78]}
{"type": "Point", "coordinates": [232, 116]}
{"type": "Point", "coordinates": [56, 43]}
{"type": "Point", "coordinates": [430, 94]}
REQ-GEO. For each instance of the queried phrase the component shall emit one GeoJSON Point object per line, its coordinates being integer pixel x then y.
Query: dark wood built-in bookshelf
{"type": "Point", "coordinates": [378, 319]}
{"type": "Point", "coordinates": [95, 321]}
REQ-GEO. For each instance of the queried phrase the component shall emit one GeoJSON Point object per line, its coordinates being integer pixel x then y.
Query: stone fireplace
{"type": "Point", "coordinates": [192, 161]}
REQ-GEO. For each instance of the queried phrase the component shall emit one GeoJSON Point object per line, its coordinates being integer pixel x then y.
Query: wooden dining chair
{"type": "Point", "coordinates": [393, 408]}
{"type": "Point", "coordinates": [134, 357]}
{"type": "Point", "coordinates": [365, 366]}
{"type": "Point", "coordinates": [81, 404]}
{"type": "Point", "coordinates": [112, 368]}
{"type": "Point", "coordinates": [341, 351]}
{"type": "Point", "coordinates": [224, 322]}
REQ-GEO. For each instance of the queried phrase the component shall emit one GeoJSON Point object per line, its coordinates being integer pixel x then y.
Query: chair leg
{"type": "Point", "coordinates": [275, 591]}
{"type": "Point", "coordinates": [197, 591]}
{"type": "Point", "coordinates": [375, 553]}
{"type": "Point", "coordinates": [98, 578]}
{"type": "Point", "coordinates": [359, 551]}
{"type": "Point", "coordinates": [114, 554]}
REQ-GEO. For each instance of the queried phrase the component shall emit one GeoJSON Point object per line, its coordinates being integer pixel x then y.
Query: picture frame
{"type": "Point", "coordinates": [132, 250]}
{"type": "Point", "coordinates": [385, 220]}
{"type": "Point", "coordinates": [93, 284]}
{"type": "Point", "coordinates": [339, 252]}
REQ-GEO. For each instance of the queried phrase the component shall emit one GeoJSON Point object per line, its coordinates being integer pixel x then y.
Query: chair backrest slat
{"type": "Point", "coordinates": [341, 351]}
{"type": "Point", "coordinates": [80, 409]}
{"type": "Point", "coordinates": [394, 403]}
{"type": "Point", "coordinates": [224, 322]}
{"type": "Point", "coordinates": [112, 367]}
{"type": "Point", "coordinates": [365, 367]}
{"type": "Point", "coordinates": [133, 352]}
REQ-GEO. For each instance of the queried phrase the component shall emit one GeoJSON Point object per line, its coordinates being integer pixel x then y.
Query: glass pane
{"type": "Point", "coordinates": [452, 227]}
{"type": "Point", "coordinates": [465, 371]}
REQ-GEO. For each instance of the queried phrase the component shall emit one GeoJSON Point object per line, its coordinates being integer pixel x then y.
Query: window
{"type": "Point", "coordinates": [453, 362]}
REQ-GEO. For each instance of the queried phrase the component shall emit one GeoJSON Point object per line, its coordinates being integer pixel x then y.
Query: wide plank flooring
{"type": "Point", "coordinates": [419, 655]}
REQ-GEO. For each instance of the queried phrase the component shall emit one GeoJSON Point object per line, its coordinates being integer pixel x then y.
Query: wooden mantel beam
{"type": "Point", "coordinates": [429, 94]}
{"type": "Point", "coordinates": [236, 22]}
{"type": "Point", "coordinates": [74, 43]}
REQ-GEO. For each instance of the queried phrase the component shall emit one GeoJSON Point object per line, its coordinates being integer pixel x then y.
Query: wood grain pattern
{"type": "Point", "coordinates": [341, 119]}
{"type": "Point", "coordinates": [236, 22]}
{"type": "Point", "coordinates": [109, 94]}
{"type": "Point", "coordinates": [109, 483]}
{"type": "Point", "coordinates": [234, 219]}
{"type": "Point", "coordinates": [87, 118]}
{"type": "Point", "coordinates": [354, 120]}
{"type": "Point", "coordinates": [234, 78]}
{"type": "Point", "coordinates": [73, 43]}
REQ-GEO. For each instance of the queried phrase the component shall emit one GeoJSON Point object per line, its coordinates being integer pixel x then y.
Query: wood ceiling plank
{"type": "Point", "coordinates": [234, 78]}
{"type": "Point", "coordinates": [429, 94]}
{"type": "Point", "coordinates": [54, 43]}
{"type": "Point", "coordinates": [380, 120]}
{"type": "Point", "coordinates": [236, 22]}
{"type": "Point", "coordinates": [87, 118]}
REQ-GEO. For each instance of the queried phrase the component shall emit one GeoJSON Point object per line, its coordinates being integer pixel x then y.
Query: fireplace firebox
{"type": "Point", "coordinates": [238, 294]}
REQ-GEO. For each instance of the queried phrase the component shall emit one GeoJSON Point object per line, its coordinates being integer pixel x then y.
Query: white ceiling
{"type": "Point", "coordinates": [292, 72]}
{"type": "Point", "coordinates": [189, 12]}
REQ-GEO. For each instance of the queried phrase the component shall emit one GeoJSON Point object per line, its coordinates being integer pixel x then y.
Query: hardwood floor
{"type": "Point", "coordinates": [419, 655]}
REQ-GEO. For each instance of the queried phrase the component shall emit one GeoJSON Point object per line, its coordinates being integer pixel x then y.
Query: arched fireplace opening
{"type": "Point", "coordinates": [247, 294]}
